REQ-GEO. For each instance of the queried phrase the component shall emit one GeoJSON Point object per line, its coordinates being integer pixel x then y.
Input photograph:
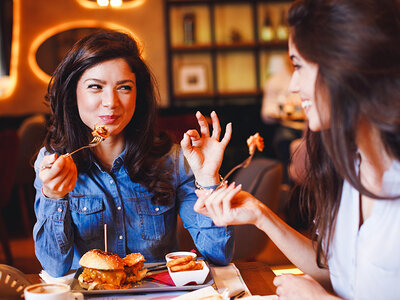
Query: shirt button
{"type": "Point", "coordinates": [157, 209]}
{"type": "Point", "coordinates": [85, 208]}
{"type": "Point", "coordinates": [119, 207]}
{"type": "Point", "coordinates": [111, 181]}
{"type": "Point", "coordinates": [121, 237]}
{"type": "Point", "coordinates": [59, 209]}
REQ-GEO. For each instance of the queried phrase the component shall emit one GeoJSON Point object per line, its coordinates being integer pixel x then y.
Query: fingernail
{"type": "Point", "coordinates": [239, 186]}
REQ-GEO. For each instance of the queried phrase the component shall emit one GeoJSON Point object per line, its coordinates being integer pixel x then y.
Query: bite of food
{"type": "Point", "coordinates": [255, 141]}
{"type": "Point", "coordinates": [101, 131]}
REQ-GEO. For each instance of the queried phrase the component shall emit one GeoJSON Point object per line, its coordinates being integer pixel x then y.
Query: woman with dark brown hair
{"type": "Point", "coordinates": [346, 55]}
{"type": "Point", "coordinates": [135, 181]}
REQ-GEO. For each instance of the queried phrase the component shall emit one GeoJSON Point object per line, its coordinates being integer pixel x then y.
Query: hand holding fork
{"type": "Point", "coordinates": [93, 143]}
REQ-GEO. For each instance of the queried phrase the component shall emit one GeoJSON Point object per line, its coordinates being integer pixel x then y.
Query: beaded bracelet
{"type": "Point", "coordinates": [200, 187]}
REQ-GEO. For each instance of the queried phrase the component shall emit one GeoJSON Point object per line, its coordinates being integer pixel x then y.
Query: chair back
{"type": "Point", "coordinates": [8, 161]}
{"type": "Point", "coordinates": [31, 135]}
{"type": "Point", "coordinates": [263, 179]}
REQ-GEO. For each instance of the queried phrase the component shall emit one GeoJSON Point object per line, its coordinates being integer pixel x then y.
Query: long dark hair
{"type": "Point", "coordinates": [145, 151]}
{"type": "Point", "coordinates": [355, 44]}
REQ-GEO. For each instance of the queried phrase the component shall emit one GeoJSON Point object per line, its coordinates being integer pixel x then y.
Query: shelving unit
{"type": "Point", "coordinates": [227, 61]}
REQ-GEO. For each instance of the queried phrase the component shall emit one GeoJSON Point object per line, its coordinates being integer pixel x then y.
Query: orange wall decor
{"type": "Point", "coordinates": [36, 20]}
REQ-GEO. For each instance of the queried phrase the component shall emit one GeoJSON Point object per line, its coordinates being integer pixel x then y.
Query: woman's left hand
{"type": "Point", "coordinates": [205, 152]}
{"type": "Point", "coordinates": [299, 287]}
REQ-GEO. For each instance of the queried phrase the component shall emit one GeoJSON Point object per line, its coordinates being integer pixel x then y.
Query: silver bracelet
{"type": "Point", "coordinates": [200, 187]}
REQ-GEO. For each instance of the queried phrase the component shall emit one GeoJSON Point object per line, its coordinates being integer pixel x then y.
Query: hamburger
{"type": "Point", "coordinates": [107, 271]}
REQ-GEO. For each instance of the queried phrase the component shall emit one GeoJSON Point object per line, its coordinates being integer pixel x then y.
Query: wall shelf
{"type": "Point", "coordinates": [215, 47]}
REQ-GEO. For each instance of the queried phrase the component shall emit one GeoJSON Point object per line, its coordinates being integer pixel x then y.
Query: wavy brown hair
{"type": "Point", "coordinates": [356, 45]}
{"type": "Point", "coordinates": [145, 150]}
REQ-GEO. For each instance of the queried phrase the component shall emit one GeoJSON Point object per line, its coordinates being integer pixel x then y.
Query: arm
{"type": "Point", "coordinates": [230, 205]}
{"type": "Point", "coordinates": [204, 152]}
{"type": "Point", "coordinates": [53, 232]}
{"type": "Point", "coordinates": [214, 243]}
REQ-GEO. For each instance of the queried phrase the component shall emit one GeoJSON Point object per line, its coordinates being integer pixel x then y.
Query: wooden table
{"type": "Point", "coordinates": [257, 275]}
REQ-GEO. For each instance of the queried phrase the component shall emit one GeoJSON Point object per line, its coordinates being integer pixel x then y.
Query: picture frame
{"type": "Point", "coordinates": [192, 78]}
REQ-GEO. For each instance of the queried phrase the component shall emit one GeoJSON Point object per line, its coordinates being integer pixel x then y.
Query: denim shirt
{"type": "Point", "coordinates": [67, 228]}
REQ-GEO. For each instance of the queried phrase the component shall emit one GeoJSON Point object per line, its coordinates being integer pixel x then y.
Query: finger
{"type": "Point", "coordinates": [277, 280]}
{"type": "Point", "coordinates": [70, 182]}
{"type": "Point", "coordinates": [227, 135]}
{"type": "Point", "coordinates": [216, 127]}
{"type": "Point", "coordinates": [227, 201]}
{"type": "Point", "coordinates": [60, 166]}
{"type": "Point", "coordinates": [185, 144]}
{"type": "Point", "coordinates": [199, 206]}
{"type": "Point", "coordinates": [193, 134]}
{"type": "Point", "coordinates": [214, 205]}
{"type": "Point", "coordinates": [203, 124]}
{"type": "Point", "coordinates": [278, 291]}
{"type": "Point", "coordinates": [48, 161]}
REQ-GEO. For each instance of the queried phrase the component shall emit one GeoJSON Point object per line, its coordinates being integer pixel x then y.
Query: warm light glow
{"type": "Point", "coordinates": [63, 27]}
{"type": "Point", "coordinates": [285, 270]}
{"type": "Point", "coordinates": [124, 5]}
{"type": "Point", "coordinates": [115, 3]}
{"type": "Point", "coordinates": [102, 2]}
{"type": "Point", "coordinates": [15, 45]}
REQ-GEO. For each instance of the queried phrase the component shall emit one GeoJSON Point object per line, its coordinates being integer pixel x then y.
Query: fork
{"type": "Point", "coordinates": [93, 143]}
{"type": "Point", "coordinates": [244, 164]}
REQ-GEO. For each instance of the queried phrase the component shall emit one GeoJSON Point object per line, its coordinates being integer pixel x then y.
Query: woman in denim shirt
{"type": "Point", "coordinates": [136, 181]}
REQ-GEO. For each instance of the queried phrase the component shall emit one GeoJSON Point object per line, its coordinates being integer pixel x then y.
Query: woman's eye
{"type": "Point", "coordinates": [125, 87]}
{"type": "Point", "coordinates": [296, 67]}
{"type": "Point", "coordinates": [94, 86]}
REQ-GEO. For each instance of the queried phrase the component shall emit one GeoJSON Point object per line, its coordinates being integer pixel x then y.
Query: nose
{"type": "Point", "coordinates": [110, 98]}
{"type": "Point", "coordinates": [294, 83]}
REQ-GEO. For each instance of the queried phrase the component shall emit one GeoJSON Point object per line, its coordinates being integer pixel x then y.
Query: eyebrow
{"type": "Point", "coordinates": [104, 82]}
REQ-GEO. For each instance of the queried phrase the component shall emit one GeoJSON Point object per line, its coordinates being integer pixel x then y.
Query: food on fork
{"type": "Point", "coordinates": [107, 271]}
{"type": "Point", "coordinates": [185, 263]}
{"type": "Point", "coordinates": [255, 141]}
{"type": "Point", "coordinates": [101, 131]}
{"type": "Point", "coordinates": [134, 263]}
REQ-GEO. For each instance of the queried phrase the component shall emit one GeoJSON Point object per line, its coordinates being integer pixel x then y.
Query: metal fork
{"type": "Point", "coordinates": [243, 164]}
{"type": "Point", "coordinates": [93, 143]}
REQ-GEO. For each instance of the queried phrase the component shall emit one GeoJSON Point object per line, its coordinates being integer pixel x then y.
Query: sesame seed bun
{"type": "Point", "coordinates": [100, 260]}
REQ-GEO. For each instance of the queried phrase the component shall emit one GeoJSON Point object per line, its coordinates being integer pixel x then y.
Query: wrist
{"type": "Point", "coordinates": [50, 195]}
{"type": "Point", "coordinates": [261, 217]}
{"type": "Point", "coordinates": [206, 183]}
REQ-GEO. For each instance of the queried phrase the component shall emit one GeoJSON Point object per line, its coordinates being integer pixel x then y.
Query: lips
{"type": "Point", "coordinates": [108, 119]}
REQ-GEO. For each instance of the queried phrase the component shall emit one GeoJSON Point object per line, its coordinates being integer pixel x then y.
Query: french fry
{"type": "Point", "coordinates": [179, 261]}
{"type": "Point", "coordinates": [191, 266]}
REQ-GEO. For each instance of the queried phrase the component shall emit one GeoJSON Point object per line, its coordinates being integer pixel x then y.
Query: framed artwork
{"type": "Point", "coordinates": [192, 78]}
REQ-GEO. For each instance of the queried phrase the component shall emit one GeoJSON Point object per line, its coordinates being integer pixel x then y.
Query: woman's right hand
{"type": "Point", "coordinates": [229, 205]}
{"type": "Point", "coordinates": [58, 175]}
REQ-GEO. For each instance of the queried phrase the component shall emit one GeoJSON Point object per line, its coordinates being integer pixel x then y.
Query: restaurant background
{"type": "Point", "coordinates": [205, 55]}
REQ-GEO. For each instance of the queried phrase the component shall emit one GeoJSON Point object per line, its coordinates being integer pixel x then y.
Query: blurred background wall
{"type": "Point", "coordinates": [36, 20]}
